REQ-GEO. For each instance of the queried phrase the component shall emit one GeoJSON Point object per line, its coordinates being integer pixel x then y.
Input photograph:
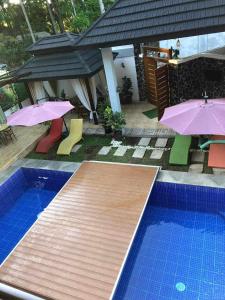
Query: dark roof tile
{"type": "Point", "coordinates": [74, 64]}
{"type": "Point", "coordinates": [130, 21]}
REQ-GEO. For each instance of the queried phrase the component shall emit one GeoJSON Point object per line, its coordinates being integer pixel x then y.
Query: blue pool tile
{"type": "Point", "coordinates": [181, 238]}
{"type": "Point", "coordinates": [22, 197]}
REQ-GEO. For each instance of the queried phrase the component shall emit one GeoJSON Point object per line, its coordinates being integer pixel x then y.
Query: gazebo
{"type": "Point", "coordinates": [138, 21]}
{"type": "Point", "coordinates": [57, 68]}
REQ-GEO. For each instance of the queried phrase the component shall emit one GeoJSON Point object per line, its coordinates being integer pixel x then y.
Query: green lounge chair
{"type": "Point", "coordinates": [179, 153]}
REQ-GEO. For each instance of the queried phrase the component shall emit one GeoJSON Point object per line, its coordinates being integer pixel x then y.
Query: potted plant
{"type": "Point", "coordinates": [126, 94]}
{"type": "Point", "coordinates": [107, 119]}
{"type": "Point", "coordinates": [118, 122]}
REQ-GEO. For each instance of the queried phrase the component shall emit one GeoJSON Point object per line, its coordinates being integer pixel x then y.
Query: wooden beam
{"type": "Point", "coordinates": [91, 101]}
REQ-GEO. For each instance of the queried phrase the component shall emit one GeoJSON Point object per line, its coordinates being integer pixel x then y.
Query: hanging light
{"type": "Point", "coordinates": [178, 44]}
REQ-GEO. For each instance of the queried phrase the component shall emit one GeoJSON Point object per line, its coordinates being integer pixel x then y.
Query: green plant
{"type": "Point", "coordinates": [7, 98]}
{"type": "Point", "coordinates": [127, 86]}
{"type": "Point", "coordinates": [20, 91]}
{"type": "Point", "coordinates": [118, 121]}
{"type": "Point", "coordinates": [102, 105]}
{"type": "Point", "coordinates": [108, 117]}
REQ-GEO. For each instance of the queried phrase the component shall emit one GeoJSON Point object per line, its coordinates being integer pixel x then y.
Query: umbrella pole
{"type": "Point", "coordinates": [65, 125]}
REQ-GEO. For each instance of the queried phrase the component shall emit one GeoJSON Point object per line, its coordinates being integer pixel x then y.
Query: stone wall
{"type": "Point", "coordinates": [188, 80]}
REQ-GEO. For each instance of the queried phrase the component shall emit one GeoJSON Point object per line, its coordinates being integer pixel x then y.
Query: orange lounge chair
{"type": "Point", "coordinates": [54, 135]}
{"type": "Point", "coordinates": [217, 153]}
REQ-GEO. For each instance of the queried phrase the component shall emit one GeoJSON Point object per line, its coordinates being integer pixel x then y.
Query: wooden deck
{"type": "Point", "coordinates": [77, 248]}
{"type": "Point", "coordinates": [27, 138]}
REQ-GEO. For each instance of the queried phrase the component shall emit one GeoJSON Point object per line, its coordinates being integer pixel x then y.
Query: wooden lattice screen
{"type": "Point", "coordinates": [157, 77]}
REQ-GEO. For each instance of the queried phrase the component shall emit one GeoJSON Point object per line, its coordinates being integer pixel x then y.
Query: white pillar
{"type": "Point", "coordinates": [110, 73]}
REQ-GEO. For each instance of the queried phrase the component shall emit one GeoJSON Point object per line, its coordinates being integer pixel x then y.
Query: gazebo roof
{"type": "Point", "coordinates": [54, 43]}
{"type": "Point", "coordinates": [130, 21]}
{"type": "Point", "coordinates": [55, 58]}
{"type": "Point", "coordinates": [74, 64]}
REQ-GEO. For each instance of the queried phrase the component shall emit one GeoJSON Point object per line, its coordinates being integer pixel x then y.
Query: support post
{"type": "Point", "coordinates": [29, 93]}
{"type": "Point", "coordinates": [91, 101]}
{"type": "Point", "coordinates": [110, 73]}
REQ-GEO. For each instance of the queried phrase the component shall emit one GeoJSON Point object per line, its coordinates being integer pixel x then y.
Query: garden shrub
{"type": "Point", "coordinates": [7, 98]}
{"type": "Point", "coordinates": [20, 91]}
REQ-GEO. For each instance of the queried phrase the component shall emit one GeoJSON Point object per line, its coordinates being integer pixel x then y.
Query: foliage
{"type": "Point", "coordinates": [20, 91]}
{"type": "Point", "coordinates": [127, 86]}
{"type": "Point", "coordinates": [15, 36]}
{"type": "Point", "coordinates": [102, 105]}
{"type": "Point", "coordinates": [7, 98]}
{"type": "Point", "coordinates": [12, 50]}
{"type": "Point", "coordinates": [108, 117]}
{"type": "Point", "coordinates": [118, 121]}
{"type": "Point", "coordinates": [115, 120]}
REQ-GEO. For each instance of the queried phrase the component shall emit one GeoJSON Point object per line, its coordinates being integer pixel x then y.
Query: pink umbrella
{"type": "Point", "coordinates": [196, 117]}
{"type": "Point", "coordinates": [38, 113]}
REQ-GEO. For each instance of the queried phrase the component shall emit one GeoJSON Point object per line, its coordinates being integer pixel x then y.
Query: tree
{"type": "Point", "coordinates": [15, 37]}
{"type": "Point", "coordinates": [12, 50]}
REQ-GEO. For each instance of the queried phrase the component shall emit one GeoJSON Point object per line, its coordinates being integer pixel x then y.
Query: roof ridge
{"type": "Point", "coordinates": [161, 16]}
{"type": "Point", "coordinates": [83, 61]}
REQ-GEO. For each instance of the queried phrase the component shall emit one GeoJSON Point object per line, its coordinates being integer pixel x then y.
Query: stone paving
{"type": "Point", "coordinates": [161, 142]}
{"type": "Point", "coordinates": [139, 152]}
{"type": "Point", "coordinates": [144, 141]}
{"type": "Point", "coordinates": [104, 150]}
{"type": "Point", "coordinates": [121, 150]}
{"type": "Point", "coordinates": [76, 148]}
{"type": "Point", "coordinates": [158, 150]}
{"type": "Point", "coordinates": [157, 154]}
{"type": "Point", "coordinates": [134, 132]}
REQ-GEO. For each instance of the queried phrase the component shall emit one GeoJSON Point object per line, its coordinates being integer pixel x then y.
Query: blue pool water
{"type": "Point", "coordinates": [22, 197]}
{"type": "Point", "coordinates": [179, 249]}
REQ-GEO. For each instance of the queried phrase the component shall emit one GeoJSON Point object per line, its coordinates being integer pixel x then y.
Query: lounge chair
{"type": "Point", "coordinates": [179, 153]}
{"type": "Point", "coordinates": [217, 152]}
{"type": "Point", "coordinates": [76, 129]}
{"type": "Point", "coordinates": [54, 135]}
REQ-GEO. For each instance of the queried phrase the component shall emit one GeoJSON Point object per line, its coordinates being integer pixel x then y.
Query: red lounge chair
{"type": "Point", "coordinates": [217, 153]}
{"type": "Point", "coordinates": [54, 135]}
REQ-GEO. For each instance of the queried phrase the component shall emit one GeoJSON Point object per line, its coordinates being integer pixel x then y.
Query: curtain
{"type": "Point", "coordinates": [39, 91]}
{"type": "Point", "coordinates": [101, 82]}
{"type": "Point", "coordinates": [80, 90]}
{"type": "Point", "coordinates": [64, 87]}
{"type": "Point", "coordinates": [48, 88]}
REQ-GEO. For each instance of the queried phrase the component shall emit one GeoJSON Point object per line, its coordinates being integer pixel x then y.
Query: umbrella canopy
{"type": "Point", "coordinates": [196, 117]}
{"type": "Point", "coordinates": [38, 113]}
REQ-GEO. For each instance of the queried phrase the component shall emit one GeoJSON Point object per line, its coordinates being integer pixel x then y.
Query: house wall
{"type": "Point", "coordinates": [188, 81]}
{"type": "Point", "coordinates": [125, 66]}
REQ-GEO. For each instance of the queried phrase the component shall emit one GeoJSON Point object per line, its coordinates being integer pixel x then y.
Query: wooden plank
{"type": "Point", "coordinates": [78, 246]}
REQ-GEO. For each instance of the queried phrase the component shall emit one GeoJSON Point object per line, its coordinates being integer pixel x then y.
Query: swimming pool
{"type": "Point", "coordinates": [22, 198]}
{"type": "Point", "coordinates": [179, 249]}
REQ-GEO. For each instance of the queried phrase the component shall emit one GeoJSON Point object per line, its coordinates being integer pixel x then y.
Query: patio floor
{"type": "Point", "coordinates": [134, 117]}
{"type": "Point", "coordinates": [27, 138]}
{"type": "Point", "coordinates": [77, 247]}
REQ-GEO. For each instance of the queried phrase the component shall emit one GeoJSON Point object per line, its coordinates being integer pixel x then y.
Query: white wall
{"type": "Point", "coordinates": [126, 56]}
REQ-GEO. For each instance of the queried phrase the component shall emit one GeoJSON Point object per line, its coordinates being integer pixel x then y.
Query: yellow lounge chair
{"type": "Point", "coordinates": [76, 129]}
